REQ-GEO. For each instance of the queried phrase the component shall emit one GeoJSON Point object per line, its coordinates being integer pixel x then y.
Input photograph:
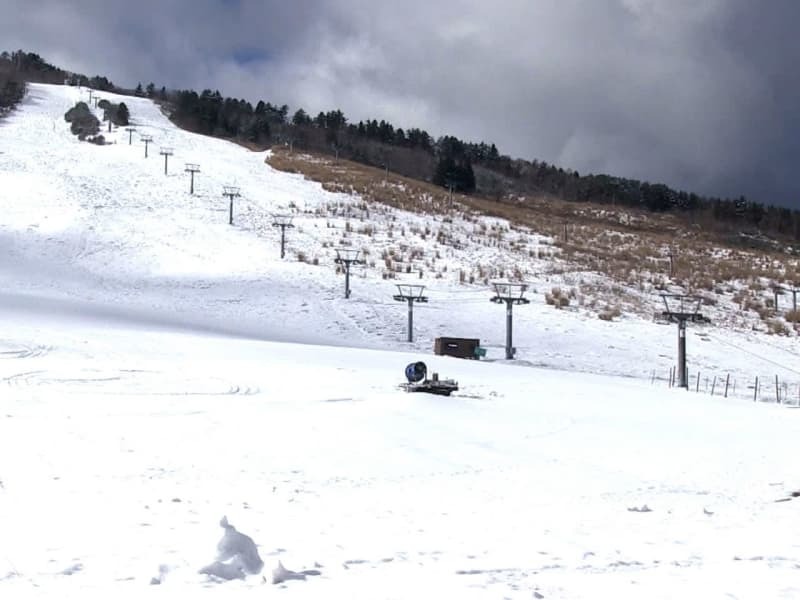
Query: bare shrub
{"type": "Point", "coordinates": [704, 283]}
{"type": "Point", "coordinates": [739, 297]}
{"type": "Point", "coordinates": [609, 313]}
{"type": "Point", "coordinates": [556, 297]}
{"type": "Point", "coordinates": [708, 300]}
{"type": "Point", "coordinates": [793, 316]}
{"type": "Point", "coordinates": [777, 327]}
{"type": "Point", "coordinates": [751, 303]}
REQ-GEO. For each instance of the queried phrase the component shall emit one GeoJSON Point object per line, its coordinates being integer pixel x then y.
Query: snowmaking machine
{"type": "Point", "coordinates": [417, 376]}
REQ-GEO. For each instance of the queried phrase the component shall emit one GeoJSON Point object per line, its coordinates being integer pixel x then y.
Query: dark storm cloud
{"type": "Point", "coordinates": [700, 95]}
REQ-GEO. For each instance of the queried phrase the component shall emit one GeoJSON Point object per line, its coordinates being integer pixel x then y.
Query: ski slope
{"type": "Point", "coordinates": [160, 369]}
{"type": "Point", "coordinates": [103, 230]}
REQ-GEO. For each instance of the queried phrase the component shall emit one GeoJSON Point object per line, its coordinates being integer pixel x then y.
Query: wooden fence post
{"type": "Point", "coordinates": [727, 381]}
{"type": "Point", "coordinates": [713, 385]}
{"type": "Point", "coordinates": [777, 391]}
{"type": "Point", "coordinates": [697, 387]}
{"type": "Point", "coordinates": [755, 390]}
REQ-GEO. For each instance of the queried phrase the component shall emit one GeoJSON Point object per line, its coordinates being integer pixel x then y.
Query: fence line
{"type": "Point", "coordinates": [726, 384]}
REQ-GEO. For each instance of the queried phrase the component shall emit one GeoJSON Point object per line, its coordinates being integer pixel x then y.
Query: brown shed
{"type": "Point", "coordinates": [458, 347]}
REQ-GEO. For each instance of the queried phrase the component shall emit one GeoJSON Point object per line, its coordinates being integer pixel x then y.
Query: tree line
{"type": "Point", "coordinates": [12, 85]}
{"type": "Point", "coordinates": [465, 166]}
{"type": "Point", "coordinates": [447, 161]}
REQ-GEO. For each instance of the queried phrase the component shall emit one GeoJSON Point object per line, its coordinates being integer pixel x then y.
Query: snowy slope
{"type": "Point", "coordinates": [103, 226]}
{"type": "Point", "coordinates": [160, 369]}
{"type": "Point", "coordinates": [94, 225]}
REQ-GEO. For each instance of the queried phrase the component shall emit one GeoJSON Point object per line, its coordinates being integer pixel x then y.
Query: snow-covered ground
{"type": "Point", "coordinates": [160, 369]}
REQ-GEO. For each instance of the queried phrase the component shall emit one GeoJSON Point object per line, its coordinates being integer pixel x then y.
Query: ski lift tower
{"type": "Point", "coordinates": [347, 257]}
{"type": "Point", "coordinates": [284, 222]}
{"type": "Point", "coordinates": [166, 152]}
{"type": "Point", "coordinates": [231, 192]}
{"type": "Point", "coordinates": [191, 168]}
{"type": "Point", "coordinates": [147, 139]}
{"type": "Point", "coordinates": [510, 294]}
{"type": "Point", "coordinates": [682, 309]}
{"type": "Point", "coordinates": [410, 294]}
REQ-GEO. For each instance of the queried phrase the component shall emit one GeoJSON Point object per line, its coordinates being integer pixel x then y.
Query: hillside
{"type": "Point", "coordinates": [636, 254]}
{"type": "Point", "coordinates": [140, 237]}
{"type": "Point", "coordinates": [161, 368]}
{"type": "Point", "coordinates": [445, 161]}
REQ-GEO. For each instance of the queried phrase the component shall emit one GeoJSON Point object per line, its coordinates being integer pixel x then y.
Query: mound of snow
{"type": "Point", "coordinates": [237, 555]}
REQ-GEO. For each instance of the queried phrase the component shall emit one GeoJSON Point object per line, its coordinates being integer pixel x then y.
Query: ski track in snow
{"type": "Point", "coordinates": [10, 349]}
{"type": "Point", "coordinates": [160, 369]}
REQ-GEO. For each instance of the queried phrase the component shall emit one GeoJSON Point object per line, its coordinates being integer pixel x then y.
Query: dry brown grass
{"type": "Point", "coordinates": [558, 298]}
{"type": "Point", "coordinates": [632, 247]}
{"type": "Point", "coordinates": [546, 215]}
{"type": "Point", "coordinates": [609, 313]}
{"type": "Point", "coordinates": [777, 327]}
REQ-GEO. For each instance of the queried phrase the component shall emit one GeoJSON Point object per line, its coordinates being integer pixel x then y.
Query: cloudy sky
{"type": "Point", "coordinates": [700, 94]}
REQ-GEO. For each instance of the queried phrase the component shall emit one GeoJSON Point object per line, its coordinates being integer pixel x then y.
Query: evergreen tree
{"type": "Point", "coordinates": [445, 171]}
{"type": "Point", "coordinates": [335, 119]}
{"type": "Point", "coordinates": [301, 118]}
{"type": "Point", "coordinates": [466, 177]}
{"type": "Point", "coordinates": [123, 116]}
{"type": "Point", "coordinates": [454, 168]}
